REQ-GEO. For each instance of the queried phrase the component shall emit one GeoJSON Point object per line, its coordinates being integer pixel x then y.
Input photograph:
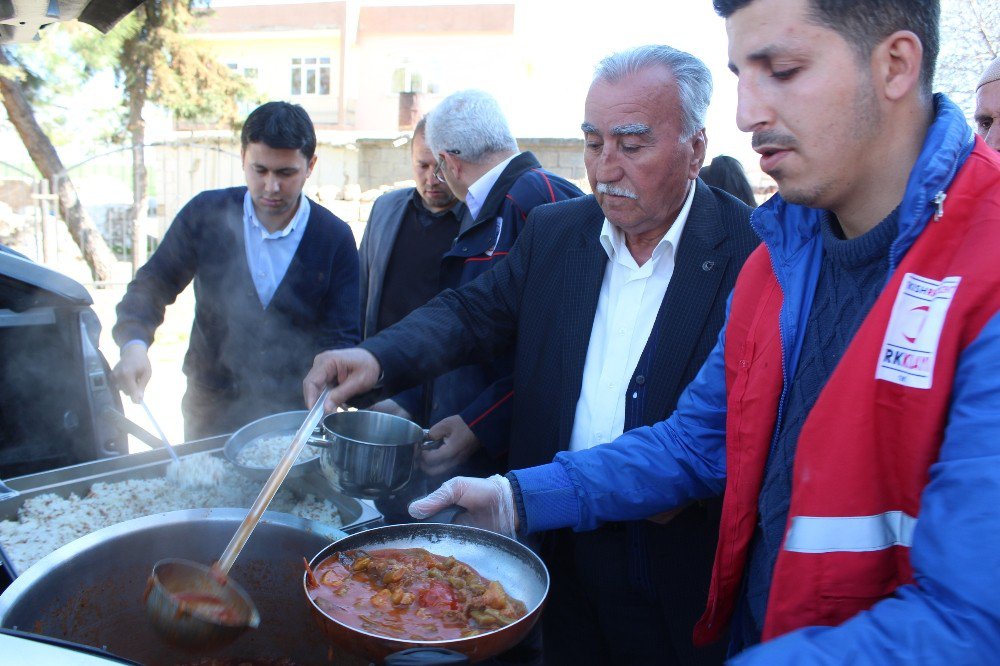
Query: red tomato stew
{"type": "Point", "coordinates": [410, 594]}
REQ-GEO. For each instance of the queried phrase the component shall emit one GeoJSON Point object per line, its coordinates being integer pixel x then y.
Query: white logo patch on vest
{"type": "Point", "coordinates": [911, 339]}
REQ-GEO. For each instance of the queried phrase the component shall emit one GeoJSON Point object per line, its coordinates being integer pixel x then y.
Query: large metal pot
{"type": "Point", "coordinates": [370, 455]}
{"type": "Point", "coordinates": [90, 591]}
{"type": "Point", "coordinates": [495, 557]}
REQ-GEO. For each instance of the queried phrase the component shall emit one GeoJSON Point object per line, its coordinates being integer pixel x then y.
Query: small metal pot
{"type": "Point", "coordinates": [370, 455]}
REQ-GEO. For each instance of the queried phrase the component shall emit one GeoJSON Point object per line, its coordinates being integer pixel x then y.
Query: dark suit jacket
{"type": "Point", "coordinates": [544, 297]}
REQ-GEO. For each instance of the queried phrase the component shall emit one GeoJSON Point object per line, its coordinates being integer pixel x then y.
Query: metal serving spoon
{"type": "Point", "coordinates": [195, 606]}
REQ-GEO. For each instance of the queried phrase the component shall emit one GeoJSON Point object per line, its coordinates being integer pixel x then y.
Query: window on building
{"type": "Point", "coordinates": [310, 76]}
{"type": "Point", "coordinates": [410, 78]}
{"type": "Point", "coordinates": [248, 72]}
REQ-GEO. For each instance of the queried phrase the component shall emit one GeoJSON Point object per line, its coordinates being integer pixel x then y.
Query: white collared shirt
{"type": "Point", "coordinates": [270, 254]}
{"type": "Point", "coordinates": [630, 298]}
{"type": "Point", "coordinates": [479, 190]}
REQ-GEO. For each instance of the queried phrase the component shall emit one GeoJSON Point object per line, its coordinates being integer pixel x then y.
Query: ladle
{"type": "Point", "coordinates": [195, 606]}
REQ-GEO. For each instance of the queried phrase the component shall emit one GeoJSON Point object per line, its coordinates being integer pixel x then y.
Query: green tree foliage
{"type": "Point", "coordinates": [153, 60]}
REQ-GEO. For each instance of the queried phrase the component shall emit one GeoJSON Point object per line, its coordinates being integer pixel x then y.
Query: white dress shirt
{"type": "Point", "coordinates": [630, 298]}
{"type": "Point", "coordinates": [270, 254]}
{"type": "Point", "coordinates": [479, 190]}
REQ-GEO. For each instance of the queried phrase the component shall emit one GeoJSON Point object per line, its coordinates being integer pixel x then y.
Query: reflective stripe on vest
{"type": "Point", "coordinates": [811, 534]}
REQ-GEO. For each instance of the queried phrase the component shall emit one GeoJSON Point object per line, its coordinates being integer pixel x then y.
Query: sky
{"type": "Point", "coordinates": [560, 41]}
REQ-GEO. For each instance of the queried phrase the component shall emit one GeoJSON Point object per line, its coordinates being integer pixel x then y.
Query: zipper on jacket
{"type": "Point", "coordinates": [938, 201]}
{"type": "Point", "coordinates": [784, 363]}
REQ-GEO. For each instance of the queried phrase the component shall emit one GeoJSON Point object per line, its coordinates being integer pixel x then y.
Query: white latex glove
{"type": "Point", "coordinates": [489, 503]}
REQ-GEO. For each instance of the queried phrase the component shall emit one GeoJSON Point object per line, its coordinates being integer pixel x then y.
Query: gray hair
{"type": "Point", "coordinates": [694, 80]}
{"type": "Point", "coordinates": [469, 123]}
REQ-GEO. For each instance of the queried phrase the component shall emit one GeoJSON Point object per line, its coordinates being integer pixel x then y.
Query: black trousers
{"type": "Point", "coordinates": [631, 593]}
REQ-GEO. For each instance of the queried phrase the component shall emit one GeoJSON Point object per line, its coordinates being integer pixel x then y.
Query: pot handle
{"type": "Point", "coordinates": [430, 444]}
{"type": "Point", "coordinates": [318, 439]}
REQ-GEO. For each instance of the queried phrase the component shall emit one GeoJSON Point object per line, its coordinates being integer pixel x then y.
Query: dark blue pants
{"type": "Point", "coordinates": [631, 593]}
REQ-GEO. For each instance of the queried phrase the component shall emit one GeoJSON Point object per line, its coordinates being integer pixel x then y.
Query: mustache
{"type": "Point", "coordinates": [772, 138]}
{"type": "Point", "coordinates": [615, 191]}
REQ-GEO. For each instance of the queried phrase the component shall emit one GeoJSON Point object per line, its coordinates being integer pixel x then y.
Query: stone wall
{"type": "Point", "coordinates": [380, 163]}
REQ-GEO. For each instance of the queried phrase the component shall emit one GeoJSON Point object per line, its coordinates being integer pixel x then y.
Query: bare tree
{"type": "Point", "coordinates": [21, 113]}
{"type": "Point", "coordinates": [970, 39]}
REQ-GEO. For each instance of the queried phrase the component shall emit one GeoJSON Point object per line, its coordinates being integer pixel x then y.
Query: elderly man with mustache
{"type": "Point", "coordinates": [614, 300]}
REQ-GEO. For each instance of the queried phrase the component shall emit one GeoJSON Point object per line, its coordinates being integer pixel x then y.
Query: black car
{"type": "Point", "coordinates": [56, 390]}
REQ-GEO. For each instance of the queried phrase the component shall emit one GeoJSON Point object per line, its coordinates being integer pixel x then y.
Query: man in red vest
{"type": "Point", "coordinates": [851, 408]}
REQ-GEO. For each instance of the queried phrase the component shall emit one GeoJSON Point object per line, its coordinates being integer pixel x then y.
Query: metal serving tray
{"type": "Point", "coordinates": [356, 514]}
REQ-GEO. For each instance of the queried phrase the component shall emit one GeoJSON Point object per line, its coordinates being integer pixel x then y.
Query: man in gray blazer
{"type": "Point", "coordinates": [408, 232]}
{"type": "Point", "coordinates": [614, 301]}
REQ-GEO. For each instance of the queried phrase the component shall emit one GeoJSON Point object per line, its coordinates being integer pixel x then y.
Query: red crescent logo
{"type": "Point", "coordinates": [913, 322]}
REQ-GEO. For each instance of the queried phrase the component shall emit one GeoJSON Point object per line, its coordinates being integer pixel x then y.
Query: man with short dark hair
{"type": "Point", "coordinates": [408, 232]}
{"type": "Point", "coordinates": [850, 411]}
{"type": "Point", "coordinates": [614, 301]}
{"type": "Point", "coordinates": [275, 276]}
{"type": "Point", "coordinates": [987, 114]}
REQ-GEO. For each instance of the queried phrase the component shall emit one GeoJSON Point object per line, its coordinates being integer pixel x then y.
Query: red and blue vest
{"type": "Point", "coordinates": [865, 451]}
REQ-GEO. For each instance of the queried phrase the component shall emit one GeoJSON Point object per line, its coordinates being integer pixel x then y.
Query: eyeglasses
{"type": "Point", "coordinates": [439, 169]}
{"type": "Point", "coordinates": [438, 175]}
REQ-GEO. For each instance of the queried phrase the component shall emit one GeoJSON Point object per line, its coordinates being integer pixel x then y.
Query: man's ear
{"type": "Point", "coordinates": [699, 145]}
{"type": "Point", "coordinates": [454, 165]}
{"type": "Point", "coordinates": [312, 164]}
{"type": "Point", "coordinates": [896, 64]}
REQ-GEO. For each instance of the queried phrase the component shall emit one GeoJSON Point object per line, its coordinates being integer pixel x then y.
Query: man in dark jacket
{"type": "Point", "coordinates": [408, 232]}
{"type": "Point", "coordinates": [469, 407]}
{"type": "Point", "coordinates": [275, 278]}
{"type": "Point", "coordinates": [614, 302]}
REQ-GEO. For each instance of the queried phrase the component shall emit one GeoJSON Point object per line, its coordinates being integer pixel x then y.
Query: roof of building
{"type": "Point", "coordinates": [436, 18]}
{"type": "Point", "coordinates": [382, 20]}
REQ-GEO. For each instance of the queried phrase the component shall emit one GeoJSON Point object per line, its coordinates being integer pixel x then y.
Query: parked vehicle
{"type": "Point", "coordinates": [55, 385]}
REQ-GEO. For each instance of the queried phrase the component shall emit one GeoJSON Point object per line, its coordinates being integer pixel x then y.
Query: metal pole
{"type": "Point", "coordinates": [36, 188]}
{"type": "Point", "coordinates": [50, 249]}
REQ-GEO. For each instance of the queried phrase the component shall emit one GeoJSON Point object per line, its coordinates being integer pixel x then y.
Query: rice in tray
{"type": "Point", "coordinates": [47, 522]}
{"type": "Point", "coordinates": [266, 451]}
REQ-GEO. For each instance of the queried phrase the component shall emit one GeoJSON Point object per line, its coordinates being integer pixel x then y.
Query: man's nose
{"type": "Point", "coordinates": [752, 110]}
{"type": "Point", "coordinates": [608, 166]}
{"type": "Point", "coordinates": [992, 137]}
{"type": "Point", "coordinates": [272, 183]}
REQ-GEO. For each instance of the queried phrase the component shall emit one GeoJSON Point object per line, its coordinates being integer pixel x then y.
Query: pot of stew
{"type": "Point", "coordinates": [370, 455]}
{"type": "Point", "coordinates": [426, 585]}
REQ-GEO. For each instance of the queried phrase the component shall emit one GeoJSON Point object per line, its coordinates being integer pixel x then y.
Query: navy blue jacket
{"type": "Point", "coordinates": [247, 361]}
{"type": "Point", "coordinates": [481, 392]}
